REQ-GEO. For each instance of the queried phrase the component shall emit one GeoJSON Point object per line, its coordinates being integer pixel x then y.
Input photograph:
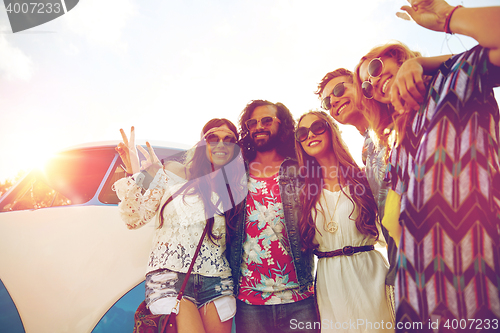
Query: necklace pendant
{"type": "Point", "coordinates": [332, 226]}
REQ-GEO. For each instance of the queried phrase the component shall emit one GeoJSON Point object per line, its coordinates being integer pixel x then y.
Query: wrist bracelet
{"type": "Point", "coordinates": [448, 19]}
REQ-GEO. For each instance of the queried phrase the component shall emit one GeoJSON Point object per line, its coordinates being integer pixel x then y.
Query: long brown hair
{"type": "Point", "coordinates": [349, 175]}
{"type": "Point", "coordinates": [198, 165]}
{"type": "Point", "coordinates": [379, 115]}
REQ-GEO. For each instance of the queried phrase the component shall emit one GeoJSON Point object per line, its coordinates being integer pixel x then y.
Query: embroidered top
{"type": "Point", "coordinates": [267, 272]}
{"type": "Point", "coordinates": [447, 173]}
{"type": "Point", "coordinates": [184, 220]}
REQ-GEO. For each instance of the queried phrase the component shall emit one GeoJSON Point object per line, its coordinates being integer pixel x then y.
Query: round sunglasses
{"type": "Point", "coordinates": [338, 91]}
{"type": "Point", "coordinates": [265, 121]}
{"type": "Point", "coordinates": [214, 139]}
{"type": "Point", "coordinates": [318, 127]}
{"type": "Point", "coordinates": [375, 68]}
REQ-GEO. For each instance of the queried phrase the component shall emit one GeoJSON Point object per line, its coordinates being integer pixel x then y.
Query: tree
{"type": "Point", "coordinates": [9, 182]}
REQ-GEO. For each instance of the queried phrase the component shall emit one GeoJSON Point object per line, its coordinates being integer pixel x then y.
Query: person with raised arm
{"type": "Point", "coordinates": [445, 172]}
{"type": "Point", "coordinates": [183, 200]}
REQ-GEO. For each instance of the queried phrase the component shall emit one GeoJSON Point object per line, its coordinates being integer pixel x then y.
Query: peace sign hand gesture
{"type": "Point", "coordinates": [128, 152]}
{"type": "Point", "coordinates": [152, 164]}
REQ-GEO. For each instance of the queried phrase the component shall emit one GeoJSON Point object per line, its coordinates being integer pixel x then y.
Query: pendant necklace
{"type": "Point", "coordinates": [332, 226]}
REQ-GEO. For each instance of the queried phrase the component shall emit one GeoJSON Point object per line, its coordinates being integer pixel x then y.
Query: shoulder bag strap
{"type": "Point", "coordinates": [184, 283]}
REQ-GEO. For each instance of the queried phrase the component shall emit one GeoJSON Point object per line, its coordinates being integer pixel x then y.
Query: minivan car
{"type": "Point", "coordinates": [67, 261]}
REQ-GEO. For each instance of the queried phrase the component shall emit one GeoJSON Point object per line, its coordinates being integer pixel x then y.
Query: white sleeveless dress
{"type": "Point", "coordinates": [350, 289]}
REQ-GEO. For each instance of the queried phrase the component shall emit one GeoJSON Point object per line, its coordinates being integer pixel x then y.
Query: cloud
{"type": "Point", "coordinates": [101, 22]}
{"type": "Point", "coordinates": [14, 64]}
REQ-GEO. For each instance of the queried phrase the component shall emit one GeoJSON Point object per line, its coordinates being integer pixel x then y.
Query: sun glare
{"type": "Point", "coordinates": [36, 158]}
{"type": "Point", "coordinates": [42, 158]}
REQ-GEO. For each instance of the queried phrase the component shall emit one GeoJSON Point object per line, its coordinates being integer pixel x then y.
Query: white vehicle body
{"type": "Point", "coordinates": [64, 266]}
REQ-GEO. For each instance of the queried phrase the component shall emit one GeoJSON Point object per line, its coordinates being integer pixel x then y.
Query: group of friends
{"type": "Point", "coordinates": [276, 192]}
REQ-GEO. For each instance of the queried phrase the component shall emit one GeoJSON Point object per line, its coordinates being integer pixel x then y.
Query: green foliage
{"type": "Point", "coordinates": [9, 182]}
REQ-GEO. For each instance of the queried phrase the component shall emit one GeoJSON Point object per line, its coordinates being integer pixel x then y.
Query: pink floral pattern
{"type": "Point", "coordinates": [267, 271]}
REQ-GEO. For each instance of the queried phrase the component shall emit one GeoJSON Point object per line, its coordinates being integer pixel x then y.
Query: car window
{"type": "Point", "coordinates": [69, 178]}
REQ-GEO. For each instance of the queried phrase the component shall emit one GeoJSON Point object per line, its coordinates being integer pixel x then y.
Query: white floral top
{"type": "Point", "coordinates": [175, 242]}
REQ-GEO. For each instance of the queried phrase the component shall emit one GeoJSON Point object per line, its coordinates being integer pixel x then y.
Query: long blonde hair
{"type": "Point", "coordinates": [349, 175]}
{"type": "Point", "coordinates": [379, 115]}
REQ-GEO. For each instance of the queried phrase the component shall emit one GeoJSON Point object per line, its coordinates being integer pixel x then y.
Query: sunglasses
{"type": "Point", "coordinates": [375, 68]}
{"type": "Point", "coordinates": [338, 91]}
{"type": "Point", "coordinates": [318, 127]}
{"type": "Point", "coordinates": [213, 140]}
{"type": "Point", "coordinates": [265, 121]}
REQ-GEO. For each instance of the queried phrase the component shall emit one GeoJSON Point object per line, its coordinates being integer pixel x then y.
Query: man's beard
{"type": "Point", "coordinates": [262, 146]}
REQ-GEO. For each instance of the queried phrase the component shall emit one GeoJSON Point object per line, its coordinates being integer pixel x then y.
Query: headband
{"type": "Point", "coordinates": [218, 129]}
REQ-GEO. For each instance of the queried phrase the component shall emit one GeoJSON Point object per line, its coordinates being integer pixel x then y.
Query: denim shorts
{"type": "Point", "coordinates": [200, 289]}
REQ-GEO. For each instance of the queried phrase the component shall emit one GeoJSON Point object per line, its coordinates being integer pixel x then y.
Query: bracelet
{"type": "Point", "coordinates": [448, 19]}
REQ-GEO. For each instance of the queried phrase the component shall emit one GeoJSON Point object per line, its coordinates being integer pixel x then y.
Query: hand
{"type": "Point", "coordinates": [408, 90]}
{"type": "Point", "coordinates": [128, 152]}
{"type": "Point", "coordinates": [152, 164]}
{"type": "Point", "coordinates": [430, 14]}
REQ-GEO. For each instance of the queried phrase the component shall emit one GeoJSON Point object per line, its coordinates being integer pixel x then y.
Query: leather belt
{"type": "Point", "coordinates": [346, 251]}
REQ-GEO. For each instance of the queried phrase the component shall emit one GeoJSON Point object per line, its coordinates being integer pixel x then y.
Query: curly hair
{"type": "Point", "coordinates": [285, 132]}
{"type": "Point", "coordinates": [380, 115]}
{"type": "Point", "coordinates": [198, 165]}
{"type": "Point", "coordinates": [349, 174]}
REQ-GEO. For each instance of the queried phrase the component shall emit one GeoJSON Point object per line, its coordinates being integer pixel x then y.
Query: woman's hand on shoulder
{"type": "Point", "coordinates": [410, 84]}
{"type": "Point", "coordinates": [408, 89]}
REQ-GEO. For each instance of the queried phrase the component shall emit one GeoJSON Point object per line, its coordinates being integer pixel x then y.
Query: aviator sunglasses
{"type": "Point", "coordinates": [214, 139]}
{"type": "Point", "coordinates": [338, 91]}
{"type": "Point", "coordinates": [375, 68]}
{"type": "Point", "coordinates": [318, 127]}
{"type": "Point", "coordinates": [265, 121]}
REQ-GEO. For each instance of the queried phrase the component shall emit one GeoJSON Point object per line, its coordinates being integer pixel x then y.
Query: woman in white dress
{"type": "Point", "coordinates": [340, 225]}
{"type": "Point", "coordinates": [182, 199]}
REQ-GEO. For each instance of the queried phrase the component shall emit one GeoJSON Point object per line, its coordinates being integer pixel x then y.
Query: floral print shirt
{"type": "Point", "coordinates": [267, 271]}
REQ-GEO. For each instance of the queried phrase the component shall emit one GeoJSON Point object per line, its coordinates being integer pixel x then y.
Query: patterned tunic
{"type": "Point", "coordinates": [447, 173]}
{"type": "Point", "coordinates": [267, 271]}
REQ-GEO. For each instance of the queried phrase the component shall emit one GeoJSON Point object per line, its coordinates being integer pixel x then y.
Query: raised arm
{"type": "Point", "coordinates": [136, 208]}
{"type": "Point", "coordinates": [482, 24]}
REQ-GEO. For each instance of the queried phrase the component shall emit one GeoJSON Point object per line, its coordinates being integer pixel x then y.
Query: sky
{"type": "Point", "coordinates": [167, 67]}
